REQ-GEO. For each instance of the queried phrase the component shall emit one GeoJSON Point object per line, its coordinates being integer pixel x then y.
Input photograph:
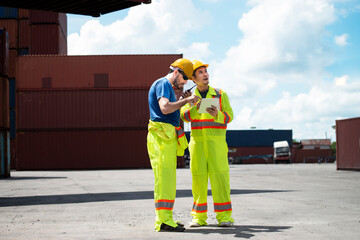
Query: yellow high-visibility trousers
{"type": "Point", "coordinates": [209, 160]}
{"type": "Point", "coordinates": [162, 145]}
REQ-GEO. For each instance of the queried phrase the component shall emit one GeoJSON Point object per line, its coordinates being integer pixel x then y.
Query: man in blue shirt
{"type": "Point", "coordinates": [162, 139]}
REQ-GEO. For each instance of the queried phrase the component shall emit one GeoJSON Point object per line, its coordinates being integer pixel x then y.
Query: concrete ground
{"type": "Point", "coordinates": [296, 201]}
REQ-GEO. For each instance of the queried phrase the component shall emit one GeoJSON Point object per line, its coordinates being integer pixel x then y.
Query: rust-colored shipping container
{"type": "Point", "coordinates": [348, 144]}
{"type": "Point", "coordinates": [24, 33]}
{"type": "Point", "coordinates": [24, 13]}
{"type": "Point", "coordinates": [4, 104]}
{"type": "Point", "coordinates": [47, 39]}
{"type": "Point", "coordinates": [82, 109]}
{"type": "Point", "coordinates": [4, 52]}
{"type": "Point", "coordinates": [113, 71]}
{"type": "Point", "coordinates": [45, 17]}
{"type": "Point", "coordinates": [11, 26]}
{"type": "Point", "coordinates": [103, 149]}
{"type": "Point", "coordinates": [312, 155]}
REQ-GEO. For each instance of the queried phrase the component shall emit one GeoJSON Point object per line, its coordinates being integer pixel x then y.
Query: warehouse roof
{"type": "Point", "coordinates": [93, 8]}
{"type": "Point", "coordinates": [325, 142]}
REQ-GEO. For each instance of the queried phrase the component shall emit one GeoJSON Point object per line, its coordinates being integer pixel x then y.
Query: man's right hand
{"type": "Point", "coordinates": [193, 99]}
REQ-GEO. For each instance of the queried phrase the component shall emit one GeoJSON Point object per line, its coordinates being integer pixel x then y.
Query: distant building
{"type": "Point", "coordinates": [313, 151]}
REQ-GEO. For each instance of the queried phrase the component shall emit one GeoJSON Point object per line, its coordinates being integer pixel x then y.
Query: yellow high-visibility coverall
{"type": "Point", "coordinates": [164, 143]}
{"type": "Point", "coordinates": [209, 157]}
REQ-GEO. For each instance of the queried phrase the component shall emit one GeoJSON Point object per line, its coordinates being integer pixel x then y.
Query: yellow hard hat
{"type": "Point", "coordinates": [185, 65]}
{"type": "Point", "coordinates": [197, 64]}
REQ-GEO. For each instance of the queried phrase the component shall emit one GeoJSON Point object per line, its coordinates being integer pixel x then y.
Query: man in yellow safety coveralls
{"type": "Point", "coordinates": [209, 150]}
{"type": "Point", "coordinates": [166, 139]}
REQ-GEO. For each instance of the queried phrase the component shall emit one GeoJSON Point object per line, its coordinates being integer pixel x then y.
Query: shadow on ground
{"type": "Point", "coordinates": [30, 178]}
{"type": "Point", "coordinates": [103, 197]}
{"type": "Point", "coordinates": [239, 231]}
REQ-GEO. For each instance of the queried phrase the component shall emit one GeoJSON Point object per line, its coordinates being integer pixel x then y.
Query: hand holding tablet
{"type": "Point", "coordinates": [208, 102]}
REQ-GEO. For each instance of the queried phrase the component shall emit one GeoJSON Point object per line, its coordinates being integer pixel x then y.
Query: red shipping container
{"type": "Point", "coordinates": [312, 155]}
{"type": "Point", "coordinates": [113, 71]}
{"type": "Point", "coordinates": [11, 26]}
{"type": "Point", "coordinates": [24, 33]}
{"type": "Point", "coordinates": [40, 16]}
{"type": "Point", "coordinates": [24, 13]}
{"type": "Point", "coordinates": [105, 149]}
{"type": "Point", "coordinates": [4, 104]}
{"type": "Point", "coordinates": [348, 144]}
{"type": "Point", "coordinates": [47, 39]}
{"type": "Point", "coordinates": [4, 53]}
{"type": "Point", "coordinates": [82, 109]}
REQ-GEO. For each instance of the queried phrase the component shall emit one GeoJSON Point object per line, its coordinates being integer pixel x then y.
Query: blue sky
{"type": "Point", "coordinates": [284, 64]}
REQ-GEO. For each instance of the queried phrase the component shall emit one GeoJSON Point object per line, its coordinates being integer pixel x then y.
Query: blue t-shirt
{"type": "Point", "coordinates": [162, 88]}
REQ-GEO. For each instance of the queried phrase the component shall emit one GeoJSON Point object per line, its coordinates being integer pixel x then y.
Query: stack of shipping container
{"type": "Point", "coordinates": [4, 105]}
{"type": "Point", "coordinates": [33, 32]}
{"type": "Point", "coordinates": [29, 32]}
{"type": "Point", "coordinates": [84, 112]}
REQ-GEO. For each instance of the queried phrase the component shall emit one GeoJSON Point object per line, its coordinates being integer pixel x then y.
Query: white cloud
{"type": "Point", "coordinates": [304, 112]}
{"type": "Point", "coordinates": [159, 27]}
{"type": "Point", "coordinates": [197, 50]}
{"type": "Point", "coordinates": [281, 39]}
{"type": "Point", "coordinates": [282, 45]}
{"type": "Point", "coordinates": [341, 81]}
{"type": "Point", "coordinates": [341, 40]}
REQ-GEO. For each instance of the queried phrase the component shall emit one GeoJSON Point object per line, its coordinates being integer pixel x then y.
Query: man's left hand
{"type": "Point", "coordinates": [212, 111]}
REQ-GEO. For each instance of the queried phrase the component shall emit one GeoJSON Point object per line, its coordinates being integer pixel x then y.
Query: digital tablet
{"type": "Point", "coordinates": [207, 102]}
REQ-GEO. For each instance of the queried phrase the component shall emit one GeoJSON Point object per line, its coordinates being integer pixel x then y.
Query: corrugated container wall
{"type": "Point", "coordinates": [104, 71]}
{"type": "Point", "coordinates": [312, 155]}
{"type": "Point", "coordinates": [47, 17]}
{"type": "Point", "coordinates": [24, 13]}
{"type": "Point", "coordinates": [348, 144]}
{"type": "Point", "coordinates": [84, 112]}
{"type": "Point", "coordinates": [11, 26]}
{"type": "Point", "coordinates": [47, 39]}
{"type": "Point", "coordinates": [104, 149]}
{"type": "Point", "coordinates": [24, 33]}
{"type": "Point", "coordinates": [4, 53]}
{"type": "Point", "coordinates": [4, 104]}
{"type": "Point", "coordinates": [81, 109]}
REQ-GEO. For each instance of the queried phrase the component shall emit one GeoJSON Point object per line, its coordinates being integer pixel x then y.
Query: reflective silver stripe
{"type": "Point", "coordinates": [219, 208]}
{"type": "Point", "coordinates": [164, 205]}
{"type": "Point", "coordinates": [202, 208]}
{"type": "Point", "coordinates": [227, 118]}
{"type": "Point", "coordinates": [187, 115]}
{"type": "Point", "coordinates": [217, 91]}
{"type": "Point", "coordinates": [179, 131]}
{"type": "Point", "coordinates": [207, 124]}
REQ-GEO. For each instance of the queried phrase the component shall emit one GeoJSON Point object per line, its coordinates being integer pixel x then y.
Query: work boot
{"type": "Point", "coordinates": [225, 224]}
{"type": "Point", "coordinates": [165, 227]}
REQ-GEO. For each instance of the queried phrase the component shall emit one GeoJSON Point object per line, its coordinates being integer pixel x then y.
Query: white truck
{"type": "Point", "coordinates": [282, 152]}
